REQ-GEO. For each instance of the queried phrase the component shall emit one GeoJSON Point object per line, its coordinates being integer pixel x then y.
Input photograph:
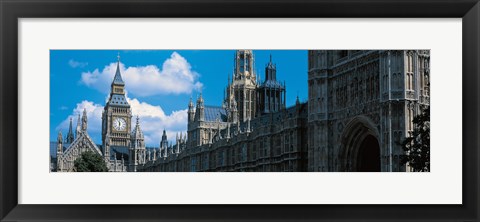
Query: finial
{"type": "Point", "coordinates": [270, 58]}
{"type": "Point", "coordinates": [118, 57]}
{"type": "Point", "coordinates": [137, 120]}
{"type": "Point", "coordinates": [59, 137]}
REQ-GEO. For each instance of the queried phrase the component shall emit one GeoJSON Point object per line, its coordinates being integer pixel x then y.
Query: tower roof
{"type": "Point", "coordinates": [137, 132]}
{"type": "Point", "coordinates": [70, 131]}
{"type": "Point", "coordinates": [190, 103]}
{"type": "Point", "coordinates": [117, 80]}
{"type": "Point", "coordinates": [215, 113]}
{"type": "Point", "coordinates": [200, 99]}
{"type": "Point", "coordinates": [270, 64]}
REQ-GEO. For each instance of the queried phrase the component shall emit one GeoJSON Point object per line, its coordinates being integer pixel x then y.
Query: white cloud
{"type": "Point", "coordinates": [75, 64]}
{"type": "Point", "coordinates": [94, 116]}
{"type": "Point", "coordinates": [152, 120]}
{"type": "Point", "coordinates": [175, 77]}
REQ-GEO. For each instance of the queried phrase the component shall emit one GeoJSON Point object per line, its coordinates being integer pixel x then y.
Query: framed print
{"type": "Point", "coordinates": [268, 110]}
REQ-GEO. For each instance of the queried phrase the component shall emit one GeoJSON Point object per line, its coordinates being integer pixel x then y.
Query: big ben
{"type": "Point", "coordinates": [116, 120]}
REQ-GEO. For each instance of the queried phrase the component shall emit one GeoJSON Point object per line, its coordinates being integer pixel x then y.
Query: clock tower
{"type": "Point", "coordinates": [116, 120]}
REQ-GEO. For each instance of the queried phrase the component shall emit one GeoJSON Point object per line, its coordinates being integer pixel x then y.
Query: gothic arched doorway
{"type": "Point", "coordinates": [360, 149]}
{"type": "Point", "coordinates": [369, 155]}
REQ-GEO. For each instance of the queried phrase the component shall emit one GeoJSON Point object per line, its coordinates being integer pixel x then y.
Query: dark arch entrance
{"type": "Point", "coordinates": [369, 155]}
{"type": "Point", "coordinates": [360, 149]}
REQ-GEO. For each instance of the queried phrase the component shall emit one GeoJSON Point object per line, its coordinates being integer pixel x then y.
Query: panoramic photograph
{"type": "Point", "coordinates": [239, 110]}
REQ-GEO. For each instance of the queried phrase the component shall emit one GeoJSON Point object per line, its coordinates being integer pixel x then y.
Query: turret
{"type": "Point", "coordinates": [84, 121]}
{"type": "Point", "coordinates": [271, 93]}
{"type": "Point", "coordinates": [70, 136]}
{"type": "Point", "coordinates": [79, 127]}
{"type": "Point", "coordinates": [177, 145]}
{"type": "Point", "coordinates": [191, 111]}
{"type": "Point", "coordinates": [244, 65]}
{"type": "Point", "coordinates": [164, 144]}
{"type": "Point", "coordinates": [59, 151]}
{"type": "Point", "coordinates": [200, 112]}
{"type": "Point", "coordinates": [59, 143]}
{"type": "Point", "coordinates": [137, 147]}
{"type": "Point", "coordinates": [243, 87]}
{"type": "Point", "coordinates": [270, 71]}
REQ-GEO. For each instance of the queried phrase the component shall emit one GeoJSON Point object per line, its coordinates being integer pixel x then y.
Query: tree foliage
{"type": "Point", "coordinates": [90, 162]}
{"type": "Point", "coordinates": [417, 145]}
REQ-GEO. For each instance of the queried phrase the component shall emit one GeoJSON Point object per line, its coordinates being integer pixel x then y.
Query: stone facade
{"type": "Point", "coordinates": [252, 131]}
{"type": "Point", "coordinates": [273, 142]}
{"type": "Point", "coordinates": [66, 156]}
{"type": "Point", "coordinates": [361, 106]}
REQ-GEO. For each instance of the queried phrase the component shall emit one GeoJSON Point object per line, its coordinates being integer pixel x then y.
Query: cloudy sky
{"type": "Point", "coordinates": [159, 84]}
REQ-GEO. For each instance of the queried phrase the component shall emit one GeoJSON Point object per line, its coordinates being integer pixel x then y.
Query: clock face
{"type": "Point", "coordinates": [119, 124]}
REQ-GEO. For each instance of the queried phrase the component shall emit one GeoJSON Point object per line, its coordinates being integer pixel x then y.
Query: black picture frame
{"type": "Point", "coordinates": [11, 11]}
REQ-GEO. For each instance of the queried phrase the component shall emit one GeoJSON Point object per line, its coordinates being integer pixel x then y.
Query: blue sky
{"type": "Point", "coordinates": [159, 84]}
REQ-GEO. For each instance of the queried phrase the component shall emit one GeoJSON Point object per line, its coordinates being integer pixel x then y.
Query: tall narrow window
{"type": "Point", "coordinates": [242, 63]}
{"type": "Point", "coordinates": [407, 79]}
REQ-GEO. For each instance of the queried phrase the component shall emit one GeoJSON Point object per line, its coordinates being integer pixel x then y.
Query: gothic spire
{"type": "Point", "coordinates": [60, 137]}
{"type": "Point", "coordinates": [200, 100]}
{"type": "Point", "coordinates": [164, 142]}
{"type": "Point", "coordinates": [84, 121]}
{"type": "Point", "coordinates": [270, 70]}
{"type": "Point", "coordinates": [200, 112]}
{"type": "Point", "coordinates": [190, 104]}
{"type": "Point", "coordinates": [117, 80]}
{"type": "Point", "coordinates": [79, 127]}
{"type": "Point", "coordinates": [137, 132]}
{"type": "Point", "coordinates": [70, 136]}
{"type": "Point", "coordinates": [164, 135]}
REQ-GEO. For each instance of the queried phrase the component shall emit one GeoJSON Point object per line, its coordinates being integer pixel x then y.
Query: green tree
{"type": "Point", "coordinates": [90, 162]}
{"type": "Point", "coordinates": [417, 145]}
